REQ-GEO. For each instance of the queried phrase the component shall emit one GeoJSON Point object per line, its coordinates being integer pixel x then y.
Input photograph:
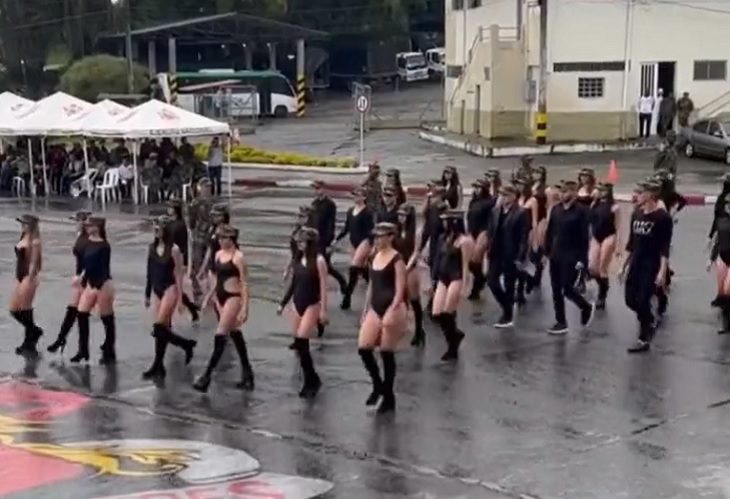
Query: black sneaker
{"type": "Point", "coordinates": [723, 331]}
{"type": "Point", "coordinates": [639, 347]}
{"type": "Point", "coordinates": [586, 315]}
{"type": "Point", "coordinates": [601, 304]}
{"type": "Point", "coordinates": [504, 322]}
{"type": "Point", "coordinates": [717, 302]}
{"type": "Point", "coordinates": [558, 329]}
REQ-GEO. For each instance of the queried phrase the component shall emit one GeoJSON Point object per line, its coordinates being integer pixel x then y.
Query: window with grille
{"type": "Point", "coordinates": [457, 4]}
{"type": "Point", "coordinates": [710, 70]}
{"type": "Point", "coordinates": [590, 88]}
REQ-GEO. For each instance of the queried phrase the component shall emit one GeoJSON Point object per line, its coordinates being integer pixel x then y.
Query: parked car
{"type": "Point", "coordinates": [707, 138]}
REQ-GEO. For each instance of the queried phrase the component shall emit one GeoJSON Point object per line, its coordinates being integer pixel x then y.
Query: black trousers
{"type": "Point", "coordinates": [644, 124]}
{"type": "Point", "coordinates": [563, 275]}
{"type": "Point", "coordinates": [501, 278]}
{"type": "Point", "coordinates": [334, 272]}
{"type": "Point", "coordinates": [639, 288]}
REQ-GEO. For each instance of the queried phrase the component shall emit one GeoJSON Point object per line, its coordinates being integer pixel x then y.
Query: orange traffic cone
{"type": "Point", "coordinates": [613, 173]}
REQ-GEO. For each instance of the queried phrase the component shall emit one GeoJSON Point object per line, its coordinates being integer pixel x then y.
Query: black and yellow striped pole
{"type": "Point", "coordinates": [541, 128]}
{"type": "Point", "coordinates": [173, 89]}
{"type": "Point", "coordinates": [301, 80]}
{"type": "Point", "coordinates": [542, 118]}
{"type": "Point", "coordinates": [172, 69]}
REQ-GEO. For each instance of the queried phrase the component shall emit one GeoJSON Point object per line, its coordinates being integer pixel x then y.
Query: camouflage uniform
{"type": "Point", "coordinates": [201, 226]}
{"type": "Point", "coordinates": [373, 194]}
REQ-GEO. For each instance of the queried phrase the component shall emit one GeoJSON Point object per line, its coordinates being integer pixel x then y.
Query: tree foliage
{"type": "Point", "coordinates": [93, 75]}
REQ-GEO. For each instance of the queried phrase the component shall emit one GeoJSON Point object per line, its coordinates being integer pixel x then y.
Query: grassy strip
{"type": "Point", "coordinates": [247, 154]}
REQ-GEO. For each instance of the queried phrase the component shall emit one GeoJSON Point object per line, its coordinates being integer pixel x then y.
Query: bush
{"type": "Point", "coordinates": [248, 154]}
{"type": "Point", "coordinates": [91, 76]}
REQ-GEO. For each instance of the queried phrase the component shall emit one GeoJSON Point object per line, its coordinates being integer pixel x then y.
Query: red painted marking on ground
{"type": "Point", "coordinates": [21, 470]}
{"type": "Point", "coordinates": [33, 403]}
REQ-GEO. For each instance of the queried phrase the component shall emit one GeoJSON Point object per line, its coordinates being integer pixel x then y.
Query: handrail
{"type": "Point", "coordinates": [725, 96]}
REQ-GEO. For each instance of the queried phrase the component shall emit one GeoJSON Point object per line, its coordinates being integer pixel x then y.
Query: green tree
{"type": "Point", "coordinates": [91, 76]}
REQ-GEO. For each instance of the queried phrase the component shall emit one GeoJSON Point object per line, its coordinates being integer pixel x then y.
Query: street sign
{"type": "Point", "coordinates": [362, 104]}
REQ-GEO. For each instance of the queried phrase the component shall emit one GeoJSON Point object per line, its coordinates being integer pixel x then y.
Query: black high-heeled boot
{"type": "Point", "coordinates": [108, 348]}
{"type": "Point", "coordinates": [725, 314]}
{"type": "Point", "coordinates": [419, 338]}
{"type": "Point", "coordinates": [192, 308]}
{"type": "Point", "coordinates": [188, 346]}
{"type": "Point", "coordinates": [31, 335]}
{"type": "Point", "coordinates": [388, 402]}
{"type": "Point", "coordinates": [83, 352]}
{"type": "Point", "coordinates": [157, 369]}
{"type": "Point", "coordinates": [68, 321]}
{"type": "Point", "coordinates": [312, 383]}
{"type": "Point", "coordinates": [453, 335]}
{"type": "Point", "coordinates": [247, 378]}
{"type": "Point", "coordinates": [203, 382]}
{"type": "Point", "coordinates": [18, 316]}
{"type": "Point", "coordinates": [371, 366]}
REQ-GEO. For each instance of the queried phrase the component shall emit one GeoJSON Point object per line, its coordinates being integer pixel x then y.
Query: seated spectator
{"type": "Point", "coordinates": [126, 178]}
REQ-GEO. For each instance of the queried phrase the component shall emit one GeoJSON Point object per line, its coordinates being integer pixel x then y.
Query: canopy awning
{"type": "Point", "coordinates": [50, 116]}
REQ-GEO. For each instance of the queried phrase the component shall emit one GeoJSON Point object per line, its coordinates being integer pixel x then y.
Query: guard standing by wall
{"type": "Point", "coordinates": [566, 244]}
{"type": "Point", "coordinates": [373, 188]}
{"type": "Point", "coordinates": [200, 225]}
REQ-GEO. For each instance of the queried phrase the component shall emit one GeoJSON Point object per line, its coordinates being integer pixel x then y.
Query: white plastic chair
{"type": "Point", "coordinates": [84, 184]}
{"type": "Point", "coordinates": [185, 188]}
{"type": "Point", "coordinates": [109, 184]}
{"type": "Point", "coordinates": [18, 186]}
{"type": "Point", "coordinates": [145, 193]}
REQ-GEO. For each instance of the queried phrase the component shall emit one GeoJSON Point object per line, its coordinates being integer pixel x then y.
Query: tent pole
{"type": "Point", "coordinates": [46, 188]}
{"type": "Point", "coordinates": [30, 162]}
{"type": "Point", "coordinates": [136, 176]}
{"type": "Point", "coordinates": [230, 170]}
{"type": "Point", "coordinates": [86, 168]}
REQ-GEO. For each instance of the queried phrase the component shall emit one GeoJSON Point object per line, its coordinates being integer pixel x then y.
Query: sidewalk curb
{"type": "Point", "coordinates": [486, 151]}
{"type": "Point", "coordinates": [298, 168]}
{"type": "Point", "coordinates": [420, 190]}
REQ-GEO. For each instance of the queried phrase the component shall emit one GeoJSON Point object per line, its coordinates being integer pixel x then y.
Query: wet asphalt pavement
{"type": "Point", "coordinates": [522, 415]}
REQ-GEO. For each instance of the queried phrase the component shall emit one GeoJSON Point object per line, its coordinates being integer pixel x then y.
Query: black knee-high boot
{"type": "Point", "coordinates": [371, 366]}
{"type": "Point", "coordinates": [312, 383]}
{"type": "Point", "coordinates": [419, 338]}
{"type": "Point", "coordinates": [522, 278]}
{"type": "Point", "coordinates": [476, 269]}
{"type": "Point", "coordinates": [388, 402]}
{"type": "Point", "coordinates": [603, 286]}
{"type": "Point", "coordinates": [353, 276]}
{"type": "Point", "coordinates": [453, 336]}
{"type": "Point", "coordinates": [108, 348]}
{"type": "Point", "coordinates": [157, 369]}
{"type": "Point", "coordinates": [18, 316]}
{"type": "Point", "coordinates": [32, 332]}
{"type": "Point", "coordinates": [247, 379]}
{"type": "Point", "coordinates": [219, 345]}
{"type": "Point", "coordinates": [365, 273]}
{"type": "Point", "coordinates": [68, 321]}
{"type": "Point", "coordinates": [83, 352]}
{"type": "Point", "coordinates": [725, 314]}
{"type": "Point", "coordinates": [188, 346]}
{"type": "Point", "coordinates": [192, 307]}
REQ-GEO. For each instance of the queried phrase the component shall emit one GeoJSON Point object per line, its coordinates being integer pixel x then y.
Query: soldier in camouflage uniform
{"type": "Point", "coordinates": [373, 188]}
{"type": "Point", "coordinates": [199, 215]}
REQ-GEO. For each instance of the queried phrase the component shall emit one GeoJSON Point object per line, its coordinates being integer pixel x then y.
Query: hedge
{"type": "Point", "coordinates": [248, 154]}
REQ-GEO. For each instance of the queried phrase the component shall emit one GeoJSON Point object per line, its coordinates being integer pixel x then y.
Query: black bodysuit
{"type": "Point", "coordinates": [22, 263]}
{"type": "Point", "coordinates": [721, 247]}
{"type": "Point", "coordinates": [382, 291]}
{"type": "Point", "coordinates": [477, 217]}
{"type": "Point", "coordinates": [450, 265]}
{"type": "Point", "coordinates": [180, 238]}
{"type": "Point", "coordinates": [160, 272]}
{"type": "Point", "coordinates": [96, 263]}
{"type": "Point", "coordinates": [603, 221]}
{"type": "Point", "coordinates": [305, 285]}
{"type": "Point", "coordinates": [358, 226]}
{"type": "Point", "coordinates": [388, 215]}
{"type": "Point", "coordinates": [223, 272]}
{"type": "Point", "coordinates": [78, 251]}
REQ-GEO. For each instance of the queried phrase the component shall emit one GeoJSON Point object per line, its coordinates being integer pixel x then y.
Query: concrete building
{"type": "Point", "coordinates": [601, 56]}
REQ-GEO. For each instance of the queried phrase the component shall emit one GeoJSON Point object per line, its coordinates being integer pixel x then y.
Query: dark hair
{"type": "Point", "coordinates": [311, 252]}
{"type": "Point", "coordinates": [454, 228]}
{"type": "Point", "coordinates": [178, 209]}
{"type": "Point", "coordinates": [526, 190]}
{"type": "Point", "coordinates": [454, 179]}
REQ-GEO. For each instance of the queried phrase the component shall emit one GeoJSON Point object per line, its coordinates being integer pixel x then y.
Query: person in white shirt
{"type": "Point", "coordinates": [126, 177]}
{"type": "Point", "coordinates": [646, 108]}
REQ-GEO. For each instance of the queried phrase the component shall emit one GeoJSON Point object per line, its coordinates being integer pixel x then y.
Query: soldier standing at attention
{"type": "Point", "coordinates": [373, 188]}
{"type": "Point", "coordinates": [200, 226]}
{"type": "Point", "coordinates": [685, 106]}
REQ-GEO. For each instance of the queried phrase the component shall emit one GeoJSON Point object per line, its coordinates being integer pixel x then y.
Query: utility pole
{"type": "Point", "coordinates": [128, 43]}
{"type": "Point", "coordinates": [541, 129]}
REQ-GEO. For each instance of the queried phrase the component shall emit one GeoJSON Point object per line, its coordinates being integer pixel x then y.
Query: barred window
{"type": "Point", "coordinates": [457, 4]}
{"type": "Point", "coordinates": [590, 88]}
{"type": "Point", "coordinates": [453, 71]}
{"type": "Point", "coordinates": [586, 67]}
{"type": "Point", "coordinates": [710, 70]}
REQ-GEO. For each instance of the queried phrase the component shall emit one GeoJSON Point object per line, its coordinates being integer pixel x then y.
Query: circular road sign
{"type": "Point", "coordinates": [363, 104]}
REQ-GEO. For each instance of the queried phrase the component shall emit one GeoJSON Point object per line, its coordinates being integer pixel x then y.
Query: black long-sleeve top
{"type": "Point", "coordinates": [478, 214]}
{"type": "Point", "coordinates": [432, 227]}
{"type": "Point", "coordinates": [324, 218]}
{"type": "Point", "coordinates": [96, 263]}
{"type": "Point", "coordinates": [180, 238]}
{"type": "Point", "coordinates": [567, 232]}
{"type": "Point", "coordinates": [78, 252]}
{"type": "Point", "coordinates": [357, 226]}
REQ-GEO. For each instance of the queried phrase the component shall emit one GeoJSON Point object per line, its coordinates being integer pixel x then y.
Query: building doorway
{"type": "Point", "coordinates": [655, 76]}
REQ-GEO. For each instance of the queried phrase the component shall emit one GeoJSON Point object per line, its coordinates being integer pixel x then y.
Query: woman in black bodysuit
{"type": "Point", "coordinates": [384, 317]}
{"type": "Point", "coordinates": [529, 204]}
{"type": "Point", "coordinates": [454, 191]}
{"type": "Point", "coordinates": [720, 255]}
{"type": "Point", "coordinates": [180, 235]}
{"type": "Point", "coordinates": [165, 271]}
{"type": "Point", "coordinates": [541, 193]}
{"type": "Point", "coordinates": [231, 298]}
{"type": "Point", "coordinates": [98, 292]}
{"type": "Point", "coordinates": [494, 178]}
{"type": "Point", "coordinates": [219, 215]}
{"type": "Point", "coordinates": [719, 210]}
{"type": "Point", "coordinates": [405, 243]}
{"type": "Point", "coordinates": [28, 257]}
{"type": "Point", "coordinates": [77, 285]}
{"type": "Point", "coordinates": [477, 218]}
{"type": "Point", "coordinates": [455, 249]}
{"type": "Point", "coordinates": [605, 240]}
{"type": "Point", "coordinates": [309, 305]}
{"type": "Point", "coordinates": [359, 225]}
{"type": "Point", "coordinates": [586, 186]}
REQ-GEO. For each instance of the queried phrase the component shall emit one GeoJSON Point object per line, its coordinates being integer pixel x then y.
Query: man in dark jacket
{"type": "Point", "coordinates": [324, 218]}
{"type": "Point", "coordinates": [508, 232]}
{"type": "Point", "coordinates": [667, 111]}
{"type": "Point", "coordinates": [566, 244]}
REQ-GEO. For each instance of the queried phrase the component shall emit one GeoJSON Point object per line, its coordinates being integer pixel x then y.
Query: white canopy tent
{"type": "Point", "coordinates": [50, 116]}
{"type": "Point", "coordinates": [158, 119]}
{"type": "Point", "coordinates": [12, 106]}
